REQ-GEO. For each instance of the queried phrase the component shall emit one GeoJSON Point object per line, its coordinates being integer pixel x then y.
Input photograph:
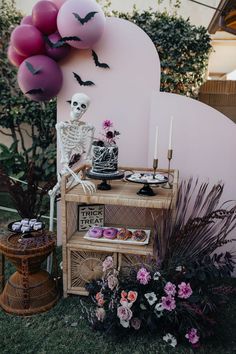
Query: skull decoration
{"type": "Point", "coordinates": [79, 105]}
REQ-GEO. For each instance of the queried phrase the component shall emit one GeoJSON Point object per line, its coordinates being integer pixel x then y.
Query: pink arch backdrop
{"type": "Point", "coordinates": [128, 94]}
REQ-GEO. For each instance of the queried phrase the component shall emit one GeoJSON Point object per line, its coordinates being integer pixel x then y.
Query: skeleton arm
{"type": "Point", "coordinates": [60, 127]}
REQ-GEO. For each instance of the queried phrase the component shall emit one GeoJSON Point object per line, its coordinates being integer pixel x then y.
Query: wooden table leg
{"type": "Point", "coordinates": [2, 272]}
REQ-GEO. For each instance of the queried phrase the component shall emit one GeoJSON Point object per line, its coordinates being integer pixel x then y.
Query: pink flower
{"type": "Point", "coordinates": [107, 263]}
{"type": "Point", "coordinates": [124, 313]}
{"type": "Point", "coordinates": [99, 296]}
{"type": "Point", "coordinates": [132, 296]}
{"type": "Point", "coordinates": [170, 289]}
{"type": "Point", "coordinates": [143, 276]}
{"type": "Point", "coordinates": [100, 314]}
{"type": "Point", "coordinates": [107, 124]}
{"type": "Point", "coordinates": [192, 336]}
{"type": "Point", "coordinates": [112, 282]}
{"type": "Point", "coordinates": [100, 302]}
{"type": "Point", "coordinates": [123, 294]}
{"type": "Point", "coordinates": [135, 323]}
{"type": "Point", "coordinates": [185, 290]}
{"type": "Point", "coordinates": [168, 303]}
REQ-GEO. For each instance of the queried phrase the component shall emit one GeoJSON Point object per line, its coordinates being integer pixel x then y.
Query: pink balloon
{"type": "Point", "coordinates": [13, 57]}
{"type": "Point", "coordinates": [69, 23]}
{"type": "Point", "coordinates": [44, 15]}
{"type": "Point", "coordinates": [58, 3]}
{"type": "Point", "coordinates": [27, 40]}
{"type": "Point", "coordinates": [27, 20]}
{"type": "Point", "coordinates": [56, 53]}
{"type": "Point", "coordinates": [39, 78]}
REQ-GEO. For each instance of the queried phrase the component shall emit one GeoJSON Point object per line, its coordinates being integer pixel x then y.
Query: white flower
{"type": "Point", "coordinates": [171, 340]}
{"type": "Point", "coordinates": [159, 307]}
{"type": "Point", "coordinates": [125, 324]}
{"type": "Point", "coordinates": [151, 298]}
{"type": "Point", "coordinates": [143, 307]}
{"type": "Point", "coordinates": [179, 269]}
{"type": "Point", "coordinates": [156, 276]}
{"type": "Point", "coordinates": [159, 310]}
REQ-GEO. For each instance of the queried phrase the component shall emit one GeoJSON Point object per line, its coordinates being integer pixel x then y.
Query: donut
{"type": "Point", "coordinates": [25, 228]}
{"type": "Point", "coordinates": [32, 222]}
{"type": "Point", "coordinates": [25, 222]}
{"type": "Point", "coordinates": [16, 226]}
{"type": "Point", "coordinates": [124, 234]}
{"type": "Point", "coordinates": [110, 233]}
{"type": "Point", "coordinates": [95, 232]}
{"type": "Point", "coordinates": [139, 235]}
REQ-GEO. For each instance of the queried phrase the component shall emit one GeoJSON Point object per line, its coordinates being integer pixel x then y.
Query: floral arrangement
{"type": "Point", "coordinates": [109, 135]}
{"type": "Point", "coordinates": [178, 294]}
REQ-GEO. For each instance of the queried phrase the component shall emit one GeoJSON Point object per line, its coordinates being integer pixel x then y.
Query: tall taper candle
{"type": "Point", "coordinates": [170, 133]}
{"type": "Point", "coordinates": [156, 145]}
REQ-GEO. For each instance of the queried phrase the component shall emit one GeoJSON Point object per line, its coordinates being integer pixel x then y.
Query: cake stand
{"type": "Point", "coordinates": [152, 180]}
{"type": "Point", "coordinates": [104, 186]}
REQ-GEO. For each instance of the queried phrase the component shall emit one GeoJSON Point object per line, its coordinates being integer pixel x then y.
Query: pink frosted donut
{"type": "Point", "coordinates": [110, 233]}
{"type": "Point", "coordinates": [96, 232]}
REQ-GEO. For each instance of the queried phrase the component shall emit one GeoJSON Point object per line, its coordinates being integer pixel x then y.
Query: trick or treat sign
{"type": "Point", "coordinates": [90, 215]}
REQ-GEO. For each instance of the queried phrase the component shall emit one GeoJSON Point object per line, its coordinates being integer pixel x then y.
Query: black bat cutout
{"type": "Point", "coordinates": [34, 91]}
{"type": "Point", "coordinates": [61, 41]}
{"type": "Point", "coordinates": [97, 62]}
{"type": "Point", "coordinates": [69, 101]}
{"type": "Point", "coordinates": [88, 17]}
{"type": "Point", "coordinates": [81, 82]}
{"type": "Point", "coordinates": [31, 68]}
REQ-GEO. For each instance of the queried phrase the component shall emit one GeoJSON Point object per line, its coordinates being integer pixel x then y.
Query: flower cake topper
{"type": "Point", "coordinates": [109, 135]}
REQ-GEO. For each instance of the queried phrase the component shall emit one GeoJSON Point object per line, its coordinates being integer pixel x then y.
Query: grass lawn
{"type": "Point", "coordinates": [64, 330]}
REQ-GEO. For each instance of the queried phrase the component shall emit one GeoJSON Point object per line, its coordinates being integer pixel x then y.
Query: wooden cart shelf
{"type": "Point", "coordinates": [78, 240]}
{"type": "Point", "coordinates": [82, 258]}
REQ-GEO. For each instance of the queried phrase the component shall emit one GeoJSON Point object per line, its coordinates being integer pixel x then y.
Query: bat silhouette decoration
{"type": "Point", "coordinates": [61, 41]}
{"type": "Point", "coordinates": [31, 68]}
{"type": "Point", "coordinates": [97, 62]}
{"type": "Point", "coordinates": [69, 101]}
{"type": "Point", "coordinates": [34, 91]}
{"type": "Point", "coordinates": [81, 82]}
{"type": "Point", "coordinates": [87, 18]}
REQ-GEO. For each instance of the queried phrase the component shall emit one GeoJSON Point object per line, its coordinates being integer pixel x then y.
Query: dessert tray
{"type": "Point", "coordinates": [116, 240]}
{"type": "Point", "coordinates": [147, 179]}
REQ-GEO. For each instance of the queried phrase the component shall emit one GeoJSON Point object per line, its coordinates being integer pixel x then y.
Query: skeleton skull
{"type": "Point", "coordinates": [79, 105]}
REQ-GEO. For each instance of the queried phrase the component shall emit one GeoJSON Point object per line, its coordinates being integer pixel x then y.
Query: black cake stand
{"type": "Point", "coordinates": [104, 186]}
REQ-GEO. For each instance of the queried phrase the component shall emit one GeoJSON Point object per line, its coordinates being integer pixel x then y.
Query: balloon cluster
{"type": "Point", "coordinates": [45, 37]}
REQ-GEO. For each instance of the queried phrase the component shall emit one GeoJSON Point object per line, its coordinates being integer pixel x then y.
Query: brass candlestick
{"type": "Point", "coordinates": [155, 165]}
{"type": "Point", "coordinates": [169, 185]}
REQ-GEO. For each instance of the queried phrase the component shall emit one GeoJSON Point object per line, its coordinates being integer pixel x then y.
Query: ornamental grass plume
{"type": "Point", "coordinates": [195, 228]}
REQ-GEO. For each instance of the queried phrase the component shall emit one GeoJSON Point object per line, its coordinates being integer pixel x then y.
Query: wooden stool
{"type": "Point", "coordinates": [30, 289]}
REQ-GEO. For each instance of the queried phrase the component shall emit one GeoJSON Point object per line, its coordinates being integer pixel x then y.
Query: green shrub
{"type": "Point", "coordinates": [183, 49]}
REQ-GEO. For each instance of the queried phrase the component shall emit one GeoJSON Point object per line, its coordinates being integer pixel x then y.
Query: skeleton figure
{"type": "Point", "coordinates": [74, 137]}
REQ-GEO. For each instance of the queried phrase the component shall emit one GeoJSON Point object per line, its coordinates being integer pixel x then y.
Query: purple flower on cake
{"type": "Point", "coordinates": [143, 276]}
{"type": "Point", "coordinates": [185, 290]}
{"type": "Point", "coordinates": [107, 263]}
{"type": "Point", "coordinates": [192, 336]}
{"type": "Point", "coordinates": [112, 282]}
{"type": "Point", "coordinates": [170, 289]}
{"type": "Point", "coordinates": [168, 303]}
{"type": "Point", "coordinates": [107, 123]}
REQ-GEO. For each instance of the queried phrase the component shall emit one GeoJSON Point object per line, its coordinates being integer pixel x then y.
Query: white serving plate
{"type": "Point", "coordinates": [127, 242]}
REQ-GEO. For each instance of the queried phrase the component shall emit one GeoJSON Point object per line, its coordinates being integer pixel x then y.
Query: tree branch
{"type": "Point", "coordinates": [7, 134]}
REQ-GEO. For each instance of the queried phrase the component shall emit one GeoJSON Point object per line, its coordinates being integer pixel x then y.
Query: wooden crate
{"type": "Point", "coordinates": [123, 207]}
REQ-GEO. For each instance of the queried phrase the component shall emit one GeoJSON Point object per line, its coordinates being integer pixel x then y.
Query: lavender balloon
{"type": "Point", "coordinates": [56, 53]}
{"type": "Point", "coordinates": [27, 40]}
{"type": "Point", "coordinates": [83, 19]}
{"type": "Point", "coordinates": [39, 78]}
{"type": "Point", "coordinates": [27, 20]}
{"type": "Point", "coordinates": [13, 57]}
{"type": "Point", "coordinates": [44, 15]}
